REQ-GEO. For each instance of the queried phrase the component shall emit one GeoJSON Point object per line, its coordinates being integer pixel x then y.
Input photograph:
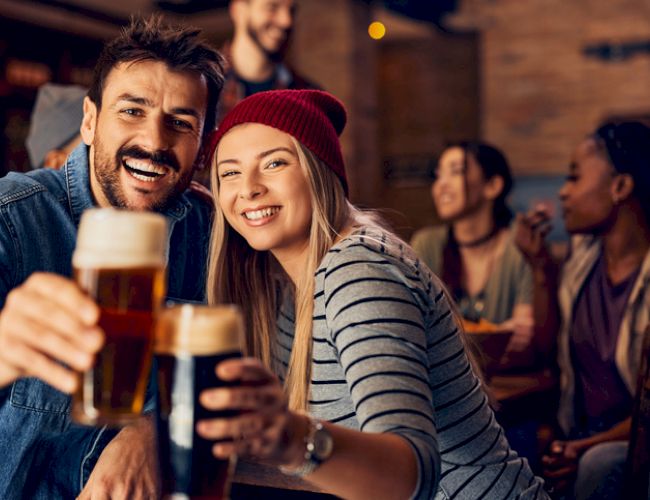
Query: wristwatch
{"type": "Point", "coordinates": [319, 446]}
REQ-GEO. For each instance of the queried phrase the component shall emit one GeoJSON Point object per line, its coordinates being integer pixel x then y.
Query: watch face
{"type": "Point", "coordinates": [323, 444]}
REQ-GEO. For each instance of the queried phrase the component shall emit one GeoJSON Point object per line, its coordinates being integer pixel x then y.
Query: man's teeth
{"type": "Point", "coordinates": [144, 171]}
{"type": "Point", "coordinates": [259, 214]}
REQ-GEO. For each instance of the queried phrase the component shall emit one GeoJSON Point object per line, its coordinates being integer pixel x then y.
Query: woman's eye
{"type": "Point", "coordinates": [275, 164]}
{"type": "Point", "coordinates": [227, 173]}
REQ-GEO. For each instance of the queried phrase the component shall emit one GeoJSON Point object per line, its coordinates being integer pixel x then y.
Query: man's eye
{"type": "Point", "coordinates": [132, 111]}
{"type": "Point", "coordinates": [182, 124]}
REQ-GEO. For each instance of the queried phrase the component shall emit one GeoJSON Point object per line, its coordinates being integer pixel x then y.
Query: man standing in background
{"type": "Point", "coordinates": [262, 32]}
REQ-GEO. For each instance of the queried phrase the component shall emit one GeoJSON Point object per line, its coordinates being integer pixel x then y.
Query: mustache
{"type": "Point", "coordinates": [159, 157]}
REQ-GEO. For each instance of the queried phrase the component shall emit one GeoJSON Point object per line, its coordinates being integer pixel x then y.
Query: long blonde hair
{"type": "Point", "coordinates": [253, 279]}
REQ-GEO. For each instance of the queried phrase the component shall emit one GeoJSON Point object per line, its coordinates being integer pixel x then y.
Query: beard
{"type": "Point", "coordinates": [275, 55]}
{"type": "Point", "coordinates": [107, 174]}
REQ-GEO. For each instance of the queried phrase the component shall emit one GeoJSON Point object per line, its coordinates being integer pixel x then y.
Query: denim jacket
{"type": "Point", "coordinates": [43, 454]}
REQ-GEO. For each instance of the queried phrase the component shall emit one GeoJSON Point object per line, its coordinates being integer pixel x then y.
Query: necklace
{"type": "Point", "coordinates": [478, 242]}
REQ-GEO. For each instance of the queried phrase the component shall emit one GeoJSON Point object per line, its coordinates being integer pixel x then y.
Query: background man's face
{"type": "Point", "coordinates": [269, 24]}
{"type": "Point", "coordinates": [146, 137]}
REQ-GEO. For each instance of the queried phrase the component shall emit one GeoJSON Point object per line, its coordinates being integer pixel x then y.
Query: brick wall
{"type": "Point", "coordinates": [540, 94]}
{"type": "Point", "coordinates": [406, 96]}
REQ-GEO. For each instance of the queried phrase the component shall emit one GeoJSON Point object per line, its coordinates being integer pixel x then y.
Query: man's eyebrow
{"type": "Point", "coordinates": [135, 99]}
{"type": "Point", "coordinates": [143, 101]}
{"type": "Point", "coordinates": [260, 155]}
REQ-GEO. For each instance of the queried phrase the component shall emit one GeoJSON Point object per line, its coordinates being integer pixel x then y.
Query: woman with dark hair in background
{"type": "Point", "coordinates": [474, 251]}
{"type": "Point", "coordinates": [603, 301]}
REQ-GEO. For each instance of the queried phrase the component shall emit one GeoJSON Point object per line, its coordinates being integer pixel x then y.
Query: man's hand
{"type": "Point", "coordinates": [45, 323]}
{"type": "Point", "coordinates": [127, 468]}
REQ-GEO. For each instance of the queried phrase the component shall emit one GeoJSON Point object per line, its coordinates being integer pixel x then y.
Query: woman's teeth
{"type": "Point", "coordinates": [259, 214]}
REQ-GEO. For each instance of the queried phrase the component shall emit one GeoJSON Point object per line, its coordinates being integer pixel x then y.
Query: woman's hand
{"type": "Point", "coordinates": [531, 230]}
{"type": "Point", "coordinates": [561, 463]}
{"type": "Point", "coordinates": [263, 428]}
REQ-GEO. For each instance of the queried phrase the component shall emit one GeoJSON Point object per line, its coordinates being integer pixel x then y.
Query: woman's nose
{"type": "Point", "coordinates": [251, 188]}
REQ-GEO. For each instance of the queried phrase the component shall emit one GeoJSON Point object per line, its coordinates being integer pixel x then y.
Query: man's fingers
{"type": "Point", "coordinates": [44, 315]}
{"type": "Point", "coordinates": [36, 364]}
{"type": "Point", "coordinates": [51, 344]}
{"type": "Point", "coordinates": [65, 293]}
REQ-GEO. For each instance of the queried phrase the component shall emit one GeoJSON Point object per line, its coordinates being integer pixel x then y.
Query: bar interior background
{"type": "Point", "coordinates": [531, 76]}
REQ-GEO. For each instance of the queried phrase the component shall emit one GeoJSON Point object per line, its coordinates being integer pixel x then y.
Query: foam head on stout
{"type": "Point", "coordinates": [119, 261]}
{"type": "Point", "coordinates": [199, 331]}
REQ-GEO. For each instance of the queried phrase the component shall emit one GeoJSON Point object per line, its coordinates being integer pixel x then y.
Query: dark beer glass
{"type": "Point", "coordinates": [119, 261]}
{"type": "Point", "coordinates": [190, 342]}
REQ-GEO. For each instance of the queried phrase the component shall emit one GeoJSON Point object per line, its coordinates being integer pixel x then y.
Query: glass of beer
{"type": "Point", "coordinates": [120, 262]}
{"type": "Point", "coordinates": [190, 342]}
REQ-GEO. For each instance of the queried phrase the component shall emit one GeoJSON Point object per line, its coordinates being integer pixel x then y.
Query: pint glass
{"type": "Point", "coordinates": [190, 341]}
{"type": "Point", "coordinates": [119, 261]}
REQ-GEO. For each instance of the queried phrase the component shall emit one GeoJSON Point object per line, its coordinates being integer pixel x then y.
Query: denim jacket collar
{"type": "Point", "coordinates": [77, 179]}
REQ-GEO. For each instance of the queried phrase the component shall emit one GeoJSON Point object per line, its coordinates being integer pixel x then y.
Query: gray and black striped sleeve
{"type": "Point", "coordinates": [377, 328]}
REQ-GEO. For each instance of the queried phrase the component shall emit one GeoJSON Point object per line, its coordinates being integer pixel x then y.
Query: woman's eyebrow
{"type": "Point", "coordinates": [260, 155]}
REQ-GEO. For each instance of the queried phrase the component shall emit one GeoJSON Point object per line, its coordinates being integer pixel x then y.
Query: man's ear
{"type": "Point", "coordinates": [493, 187]}
{"type": "Point", "coordinates": [622, 187]}
{"type": "Point", "coordinates": [88, 122]}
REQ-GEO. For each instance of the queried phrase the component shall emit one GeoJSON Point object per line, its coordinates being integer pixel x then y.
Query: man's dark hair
{"type": "Point", "coordinates": [180, 48]}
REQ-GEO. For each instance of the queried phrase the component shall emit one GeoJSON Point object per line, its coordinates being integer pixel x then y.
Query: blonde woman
{"type": "Point", "coordinates": [371, 393]}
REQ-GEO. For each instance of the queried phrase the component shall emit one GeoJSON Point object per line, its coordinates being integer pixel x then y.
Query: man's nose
{"type": "Point", "coordinates": [155, 135]}
{"type": "Point", "coordinates": [284, 18]}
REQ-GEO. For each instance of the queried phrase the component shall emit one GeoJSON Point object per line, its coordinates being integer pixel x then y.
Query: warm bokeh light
{"type": "Point", "coordinates": [376, 30]}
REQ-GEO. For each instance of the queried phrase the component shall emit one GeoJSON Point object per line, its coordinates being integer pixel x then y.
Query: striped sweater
{"type": "Point", "coordinates": [388, 357]}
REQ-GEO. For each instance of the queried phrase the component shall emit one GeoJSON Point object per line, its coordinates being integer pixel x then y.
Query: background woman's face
{"type": "Point", "coordinates": [263, 189]}
{"type": "Point", "coordinates": [586, 196]}
{"type": "Point", "coordinates": [458, 188]}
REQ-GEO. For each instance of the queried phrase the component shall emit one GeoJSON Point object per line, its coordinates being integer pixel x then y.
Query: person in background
{"type": "Point", "coordinates": [255, 55]}
{"type": "Point", "coordinates": [54, 125]}
{"type": "Point", "coordinates": [603, 302]}
{"type": "Point", "coordinates": [474, 251]}
{"type": "Point", "coordinates": [368, 391]}
{"type": "Point", "coordinates": [148, 111]}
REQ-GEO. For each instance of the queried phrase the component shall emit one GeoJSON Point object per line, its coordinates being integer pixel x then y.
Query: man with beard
{"type": "Point", "coordinates": [150, 107]}
{"type": "Point", "coordinates": [262, 31]}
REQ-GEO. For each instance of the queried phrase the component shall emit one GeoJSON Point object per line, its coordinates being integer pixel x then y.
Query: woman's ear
{"type": "Point", "coordinates": [88, 122]}
{"type": "Point", "coordinates": [622, 188]}
{"type": "Point", "coordinates": [493, 187]}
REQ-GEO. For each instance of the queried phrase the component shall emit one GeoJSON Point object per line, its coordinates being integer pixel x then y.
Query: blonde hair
{"type": "Point", "coordinates": [253, 279]}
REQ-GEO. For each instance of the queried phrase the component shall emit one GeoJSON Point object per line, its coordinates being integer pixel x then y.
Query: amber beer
{"type": "Point", "coordinates": [119, 261]}
{"type": "Point", "coordinates": [190, 342]}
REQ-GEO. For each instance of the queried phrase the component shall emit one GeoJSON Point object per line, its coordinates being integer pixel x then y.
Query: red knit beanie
{"type": "Point", "coordinates": [313, 117]}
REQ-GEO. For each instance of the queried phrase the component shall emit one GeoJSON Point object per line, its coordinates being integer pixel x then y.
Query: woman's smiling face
{"type": "Point", "coordinates": [263, 189]}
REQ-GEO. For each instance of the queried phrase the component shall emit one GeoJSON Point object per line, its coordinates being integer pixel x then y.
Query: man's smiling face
{"type": "Point", "coordinates": [145, 138]}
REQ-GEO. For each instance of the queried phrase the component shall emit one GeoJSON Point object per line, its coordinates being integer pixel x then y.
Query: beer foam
{"type": "Point", "coordinates": [199, 330]}
{"type": "Point", "coordinates": [113, 238]}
